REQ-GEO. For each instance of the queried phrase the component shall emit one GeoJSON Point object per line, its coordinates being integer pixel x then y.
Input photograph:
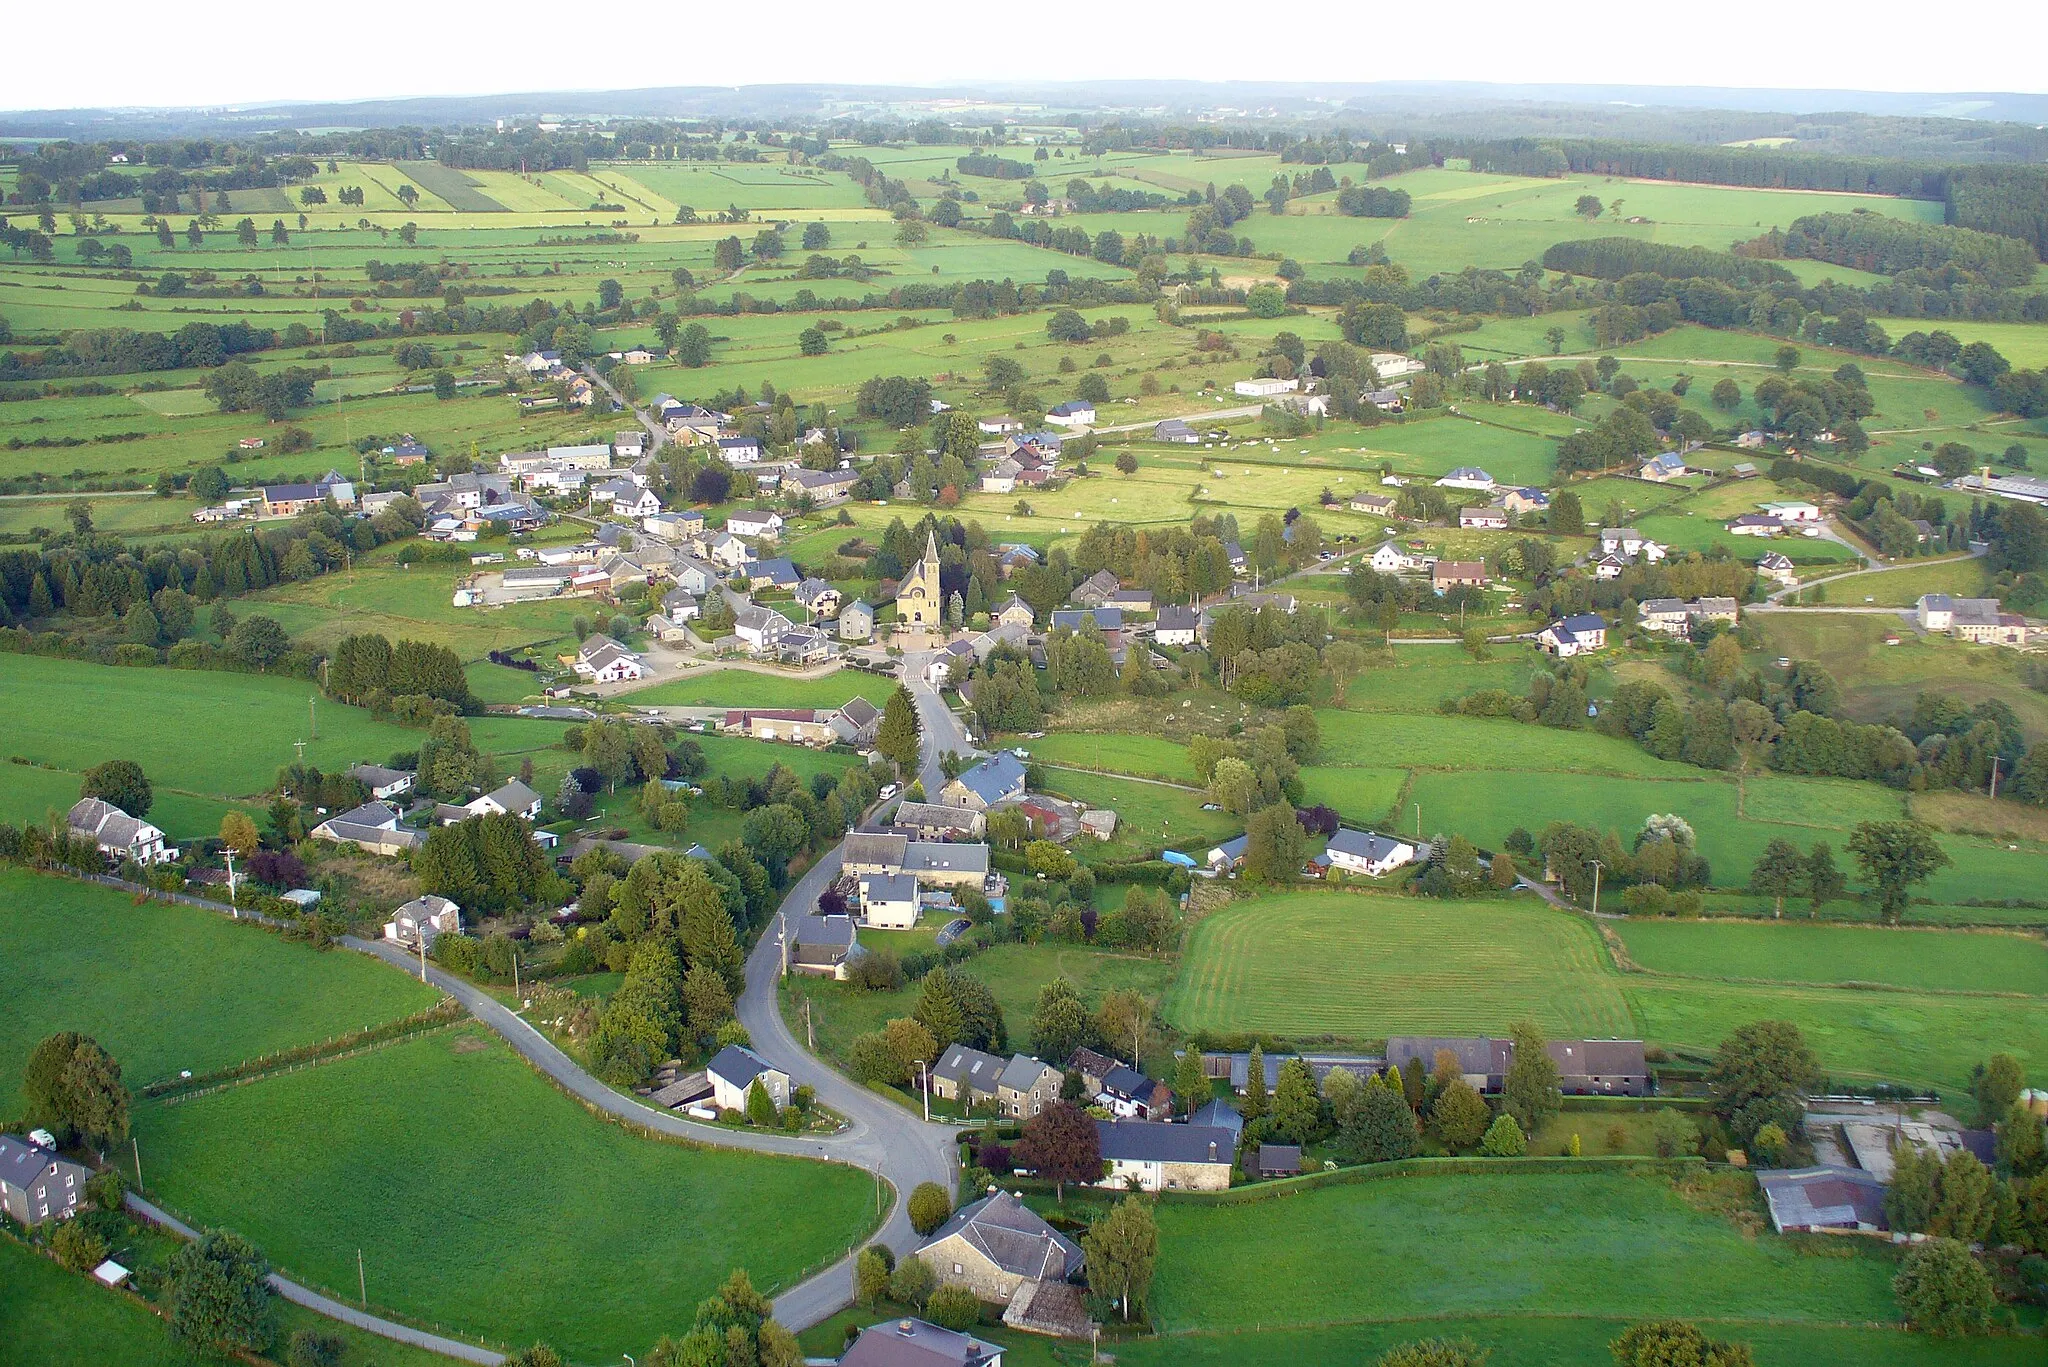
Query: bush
{"type": "Point", "coordinates": [1943, 1290]}
{"type": "Point", "coordinates": [1674, 1134]}
{"type": "Point", "coordinates": [1504, 1139]}
{"type": "Point", "coordinates": [913, 1282]}
{"type": "Point", "coordinates": [878, 970]}
{"type": "Point", "coordinates": [106, 1189]}
{"type": "Point", "coordinates": [77, 1247]}
{"type": "Point", "coordinates": [929, 1207]}
{"type": "Point", "coordinates": [314, 1348]}
{"type": "Point", "coordinates": [953, 1307]}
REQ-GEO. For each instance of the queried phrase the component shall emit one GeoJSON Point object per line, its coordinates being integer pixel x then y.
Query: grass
{"type": "Point", "coordinates": [168, 987]}
{"type": "Point", "coordinates": [1366, 966]}
{"type": "Point", "coordinates": [1945, 961]}
{"type": "Point", "coordinates": [515, 1177]}
{"type": "Point", "coordinates": [55, 1318]}
{"type": "Point", "coordinates": [1150, 816]}
{"type": "Point", "coordinates": [1571, 1244]}
{"type": "Point", "coordinates": [747, 688]}
{"type": "Point", "coordinates": [1481, 743]}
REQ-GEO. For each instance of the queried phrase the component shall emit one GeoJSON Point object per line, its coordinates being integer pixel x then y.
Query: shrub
{"type": "Point", "coordinates": [929, 1207]}
{"type": "Point", "coordinates": [1675, 1134]}
{"type": "Point", "coordinates": [953, 1307]}
{"type": "Point", "coordinates": [314, 1348]}
{"type": "Point", "coordinates": [1504, 1139]}
{"type": "Point", "coordinates": [913, 1282]}
{"type": "Point", "coordinates": [77, 1247]}
{"type": "Point", "coordinates": [1943, 1290]}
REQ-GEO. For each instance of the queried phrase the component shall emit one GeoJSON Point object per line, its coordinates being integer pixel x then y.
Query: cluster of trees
{"type": "Point", "coordinates": [120, 351]}
{"type": "Point", "coordinates": [1894, 246]}
{"type": "Point", "coordinates": [72, 1087]}
{"type": "Point", "coordinates": [734, 1327]}
{"type": "Point", "coordinates": [367, 670]}
{"type": "Point", "coordinates": [487, 865]}
{"type": "Point", "coordinates": [1661, 859]}
{"type": "Point", "coordinates": [1372, 201]}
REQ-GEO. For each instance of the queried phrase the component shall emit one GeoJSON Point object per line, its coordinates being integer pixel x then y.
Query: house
{"type": "Point", "coordinates": [372, 828]}
{"type": "Point", "coordinates": [760, 627]}
{"type": "Point", "coordinates": [1777, 565]}
{"type": "Point", "coordinates": [1367, 853]}
{"type": "Point", "coordinates": [817, 598]}
{"type": "Point", "coordinates": [680, 606]}
{"type": "Point", "coordinates": [1662, 468]}
{"type": "Point", "coordinates": [738, 450]}
{"type": "Point", "coordinates": [1130, 1095]}
{"type": "Point", "coordinates": [1265, 387]}
{"type": "Point", "coordinates": [734, 1069]}
{"type": "Point", "coordinates": [1159, 1157]}
{"type": "Point", "coordinates": [35, 1184]}
{"type": "Point", "coordinates": [1027, 1086]}
{"type": "Point", "coordinates": [1979, 620]}
{"type": "Point", "coordinates": [1277, 1160]}
{"type": "Point", "coordinates": [760, 523]}
{"type": "Point", "coordinates": [940, 864]}
{"type": "Point", "coordinates": [1576, 635]}
{"type": "Point", "coordinates": [1390, 558]}
{"type": "Point", "coordinates": [1014, 611]}
{"type": "Point", "coordinates": [1001, 478]}
{"type": "Point", "coordinates": [1087, 619]}
{"type": "Point", "coordinates": [1628, 543]}
{"type": "Point", "coordinates": [967, 1076]}
{"type": "Point", "coordinates": [823, 487]}
{"type": "Point", "coordinates": [1251, 600]}
{"type": "Point", "coordinates": [1218, 1114]}
{"type": "Point", "coordinates": [1131, 600]}
{"type": "Point", "coordinates": [999, 426]}
{"type": "Point", "coordinates": [1824, 1200]}
{"type": "Point", "coordinates": [1793, 511]}
{"type": "Point", "coordinates": [1467, 477]}
{"type": "Point", "coordinates": [823, 946]}
{"type": "Point", "coordinates": [888, 901]}
{"type": "Point", "coordinates": [594, 455]}
{"type": "Point", "coordinates": [635, 501]}
{"type": "Point", "coordinates": [1520, 501]}
{"type": "Point", "coordinates": [512, 799]}
{"type": "Point", "coordinates": [1750, 440]}
{"type": "Point", "coordinates": [382, 782]}
{"type": "Point", "coordinates": [1755, 524]}
{"type": "Point", "coordinates": [996, 1245]}
{"type": "Point", "coordinates": [1935, 611]}
{"type": "Point", "coordinates": [1608, 566]}
{"type": "Point", "coordinates": [692, 574]}
{"type": "Point", "coordinates": [603, 660]}
{"type": "Point", "coordinates": [856, 722]}
{"type": "Point", "coordinates": [1663, 614]}
{"type": "Point", "coordinates": [1094, 591]}
{"type": "Point", "coordinates": [856, 621]}
{"type": "Point", "coordinates": [1073, 413]}
{"type": "Point", "coordinates": [918, 1343]}
{"type": "Point", "coordinates": [1372, 505]}
{"type": "Point", "coordinates": [920, 600]}
{"type": "Point", "coordinates": [423, 920]}
{"type": "Point", "coordinates": [996, 779]}
{"type": "Point", "coordinates": [1177, 625]}
{"type": "Point", "coordinates": [1483, 519]}
{"type": "Point", "coordinates": [629, 445]}
{"type": "Point", "coordinates": [1225, 858]}
{"type": "Point", "coordinates": [1012, 557]}
{"type": "Point", "coordinates": [936, 821]}
{"type": "Point", "coordinates": [802, 726]}
{"type": "Point", "coordinates": [1713, 610]}
{"type": "Point", "coordinates": [1386, 400]}
{"type": "Point", "coordinates": [1175, 431]}
{"type": "Point", "coordinates": [119, 836]}
{"type": "Point", "coordinates": [1585, 1067]}
{"type": "Point", "coordinates": [1446, 575]}
{"type": "Point", "coordinates": [677, 526]}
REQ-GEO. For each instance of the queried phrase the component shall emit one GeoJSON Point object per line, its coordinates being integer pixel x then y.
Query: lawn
{"type": "Point", "coordinates": [1935, 960]}
{"type": "Point", "coordinates": [1150, 816]}
{"type": "Point", "coordinates": [30, 794]}
{"type": "Point", "coordinates": [53, 1318]}
{"type": "Point", "coordinates": [1386, 738]}
{"type": "Point", "coordinates": [1571, 1244]}
{"type": "Point", "coordinates": [596, 1239]}
{"type": "Point", "coordinates": [167, 987]}
{"type": "Point", "coordinates": [1366, 966]}
{"type": "Point", "coordinates": [1360, 796]}
{"type": "Point", "coordinates": [747, 688]}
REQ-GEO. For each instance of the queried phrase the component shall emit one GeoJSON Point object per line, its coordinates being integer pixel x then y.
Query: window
{"type": "Point", "coordinates": [956, 1269]}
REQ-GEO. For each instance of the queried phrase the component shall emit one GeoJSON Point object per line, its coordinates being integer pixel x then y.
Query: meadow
{"type": "Point", "coordinates": [56, 1318]}
{"type": "Point", "coordinates": [598, 1240]}
{"type": "Point", "coordinates": [750, 688]}
{"type": "Point", "coordinates": [1935, 960]}
{"type": "Point", "coordinates": [167, 987]}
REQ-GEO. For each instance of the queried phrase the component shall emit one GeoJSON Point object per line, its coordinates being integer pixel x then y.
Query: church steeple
{"type": "Point", "coordinates": [931, 550]}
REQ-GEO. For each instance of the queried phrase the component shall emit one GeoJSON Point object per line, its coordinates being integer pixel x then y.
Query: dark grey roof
{"type": "Point", "coordinates": [1012, 1236]}
{"type": "Point", "coordinates": [936, 856]}
{"type": "Point", "coordinates": [738, 1065]}
{"type": "Point", "coordinates": [867, 847]}
{"type": "Point", "coordinates": [1823, 1198]}
{"type": "Point", "coordinates": [1021, 1071]}
{"type": "Point", "coordinates": [1175, 617]}
{"type": "Point", "coordinates": [1365, 845]}
{"type": "Point", "coordinates": [831, 931]}
{"type": "Point", "coordinates": [21, 1162]}
{"type": "Point", "coordinates": [370, 814]}
{"type": "Point", "coordinates": [961, 1064]}
{"type": "Point", "coordinates": [1282, 1158]}
{"type": "Point", "coordinates": [995, 778]}
{"type": "Point", "coordinates": [1127, 1082]}
{"type": "Point", "coordinates": [916, 1343]}
{"type": "Point", "coordinates": [376, 775]}
{"type": "Point", "coordinates": [514, 796]}
{"type": "Point", "coordinates": [890, 887]}
{"type": "Point", "coordinates": [1148, 1141]}
{"type": "Point", "coordinates": [1218, 1114]}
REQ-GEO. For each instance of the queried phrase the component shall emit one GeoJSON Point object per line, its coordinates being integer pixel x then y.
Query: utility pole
{"type": "Point", "coordinates": [362, 1281]}
{"type": "Point", "coordinates": [1994, 776]}
{"type": "Point", "coordinates": [421, 932]}
{"type": "Point", "coordinates": [300, 746]}
{"type": "Point", "coordinates": [312, 719]}
{"type": "Point", "coordinates": [137, 1141]}
{"type": "Point", "coordinates": [1418, 821]}
{"type": "Point", "coordinates": [924, 1085]}
{"type": "Point", "coordinates": [515, 970]}
{"type": "Point", "coordinates": [810, 1039]}
{"type": "Point", "coordinates": [1596, 887]}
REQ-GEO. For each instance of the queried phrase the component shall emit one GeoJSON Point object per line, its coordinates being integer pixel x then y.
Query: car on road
{"type": "Point", "coordinates": [953, 930]}
{"type": "Point", "coordinates": [888, 792]}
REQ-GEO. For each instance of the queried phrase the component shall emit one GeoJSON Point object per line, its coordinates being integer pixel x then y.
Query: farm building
{"type": "Point", "coordinates": [1610, 1067]}
{"type": "Point", "coordinates": [1175, 431]}
{"type": "Point", "coordinates": [1824, 1200]}
{"type": "Point", "coordinates": [937, 821]}
{"type": "Point", "coordinates": [996, 1245]}
{"type": "Point", "coordinates": [1265, 388]}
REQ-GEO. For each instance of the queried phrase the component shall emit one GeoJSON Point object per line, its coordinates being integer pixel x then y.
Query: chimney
{"type": "Point", "coordinates": [905, 1328]}
{"type": "Point", "coordinates": [1212, 1151]}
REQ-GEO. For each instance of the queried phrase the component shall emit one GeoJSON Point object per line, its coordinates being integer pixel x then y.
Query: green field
{"type": "Point", "coordinates": [1365, 966]}
{"type": "Point", "coordinates": [748, 688]}
{"type": "Point", "coordinates": [168, 987]}
{"type": "Point", "coordinates": [1944, 961]}
{"type": "Point", "coordinates": [446, 1154]}
{"type": "Point", "coordinates": [54, 1318]}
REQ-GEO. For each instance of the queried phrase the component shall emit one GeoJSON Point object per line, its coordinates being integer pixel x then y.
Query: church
{"type": "Point", "coordinates": [920, 605]}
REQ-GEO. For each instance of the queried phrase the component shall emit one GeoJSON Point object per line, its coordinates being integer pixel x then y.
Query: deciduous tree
{"type": "Point", "coordinates": [1121, 1249]}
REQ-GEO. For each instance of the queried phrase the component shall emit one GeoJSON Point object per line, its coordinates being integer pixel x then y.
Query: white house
{"type": "Point", "coordinates": [119, 835]}
{"type": "Point", "coordinates": [761, 523]}
{"type": "Point", "coordinates": [637, 502]}
{"type": "Point", "coordinates": [513, 799]}
{"type": "Point", "coordinates": [1159, 1157]}
{"type": "Point", "coordinates": [734, 1069]}
{"type": "Point", "coordinates": [1265, 387]}
{"type": "Point", "coordinates": [1177, 625]}
{"type": "Point", "coordinates": [1389, 558]}
{"type": "Point", "coordinates": [426, 917]}
{"type": "Point", "coordinates": [1577, 635]}
{"type": "Point", "coordinates": [1073, 413]}
{"type": "Point", "coordinates": [1367, 853]}
{"type": "Point", "coordinates": [729, 552]}
{"type": "Point", "coordinates": [739, 450]}
{"type": "Point", "coordinates": [888, 901]}
{"type": "Point", "coordinates": [603, 660]}
{"type": "Point", "coordinates": [1755, 524]}
{"type": "Point", "coordinates": [1793, 511]}
{"type": "Point", "coordinates": [382, 782]}
{"type": "Point", "coordinates": [1468, 477]}
{"type": "Point", "coordinates": [1777, 565]}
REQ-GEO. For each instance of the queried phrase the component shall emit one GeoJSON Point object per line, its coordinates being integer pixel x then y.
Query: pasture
{"type": "Point", "coordinates": [1932, 960]}
{"type": "Point", "coordinates": [56, 1318]}
{"type": "Point", "coordinates": [1554, 1244]}
{"type": "Point", "coordinates": [1364, 966]}
{"type": "Point", "coordinates": [752, 688]}
{"type": "Point", "coordinates": [513, 1175]}
{"type": "Point", "coordinates": [167, 987]}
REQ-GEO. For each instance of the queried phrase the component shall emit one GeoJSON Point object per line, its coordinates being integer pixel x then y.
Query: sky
{"type": "Point", "coordinates": [243, 52]}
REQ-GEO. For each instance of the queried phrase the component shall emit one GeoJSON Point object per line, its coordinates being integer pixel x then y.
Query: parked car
{"type": "Point", "coordinates": [890, 791]}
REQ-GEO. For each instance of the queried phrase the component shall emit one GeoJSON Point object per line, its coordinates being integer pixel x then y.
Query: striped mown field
{"type": "Point", "coordinates": [1361, 965]}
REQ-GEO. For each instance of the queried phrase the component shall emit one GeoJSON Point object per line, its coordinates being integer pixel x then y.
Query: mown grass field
{"type": "Point", "coordinates": [1946, 961]}
{"type": "Point", "coordinates": [54, 1318]}
{"type": "Point", "coordinates": [1365, 966]}
{"type": "Point", "coordinates": [1569, 1244]}
{"type": "Point", "coordinates": [748, 688]}
{"type": "Point", "coordinates": [168, 987]}
{"type": "Point", "coordinates": [447, 1154]}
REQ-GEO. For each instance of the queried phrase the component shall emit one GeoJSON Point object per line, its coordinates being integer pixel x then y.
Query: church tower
{"type": "Point", "coordinates": [920, 605]}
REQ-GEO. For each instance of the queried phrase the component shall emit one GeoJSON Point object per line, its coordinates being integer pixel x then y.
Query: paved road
{"type": "Point", "coordinates": [328, 1306]}
{"type": "Point", "coordinates": [657, 435]}
{"type": "Point", "coordinates": [942, 730]}
{"type": "Point", "coordinates": [1791, 589]}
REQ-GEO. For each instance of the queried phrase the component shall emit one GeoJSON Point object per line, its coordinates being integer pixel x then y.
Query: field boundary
{"type": "Point", "coordinates": [299, 1066]}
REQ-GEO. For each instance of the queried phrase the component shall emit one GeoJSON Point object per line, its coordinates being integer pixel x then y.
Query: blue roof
{"type": "Point", "coordinates": [1071, 407]}
{"type": "Point", "coordinates": [995, 778]}
{"type": "Point", "coordinates": [1584, 621]}
{"type": "Point", "coordinates": [1234, 849]}
{"type": "Point", "coordinates": [780, 570]}
{"type": "Point", "coordinates": [1102, 619]}
{"type": "Point", "coordinates": [737, 1065]}
{"type": "Point", "coordinates": [1176, 857]}
{"type": "Point", "coordinates": [1220, 1114]}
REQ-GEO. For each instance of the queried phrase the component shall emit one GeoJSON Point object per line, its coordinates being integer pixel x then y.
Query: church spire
{"type": "Point", "coordinates": [931, 546]}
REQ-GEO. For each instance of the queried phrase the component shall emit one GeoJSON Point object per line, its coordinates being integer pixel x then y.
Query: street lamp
{"type": "Point", "coordinates": [924, 1085]}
